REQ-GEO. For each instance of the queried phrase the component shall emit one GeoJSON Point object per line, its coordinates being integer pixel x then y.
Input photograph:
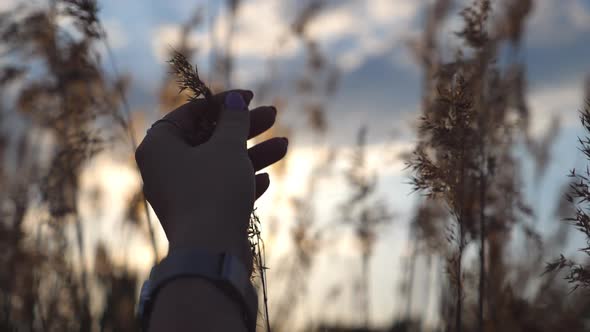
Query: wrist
{"type": "Point", "coordinates": [238, 246]}
{"type": "Point", "coordinates": [212, 232]}
{"type": "Point", "coordinates": [195, 298]}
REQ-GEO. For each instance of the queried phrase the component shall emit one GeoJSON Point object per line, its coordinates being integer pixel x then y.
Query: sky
{"type": "Point", "coordinates": [379, 87]}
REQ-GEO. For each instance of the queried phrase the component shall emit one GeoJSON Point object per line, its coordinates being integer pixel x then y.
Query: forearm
{"type": "Point", "coordinates": [194, 304]}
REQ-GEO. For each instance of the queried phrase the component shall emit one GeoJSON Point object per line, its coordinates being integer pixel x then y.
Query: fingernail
{"type": "Point", "coordinates": [234, 101]}
{"type": "Point", "coordinates": [286, 140]}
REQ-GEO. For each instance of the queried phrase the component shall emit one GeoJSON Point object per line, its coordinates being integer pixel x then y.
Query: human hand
{"type": "Point", "coordinates": [204, 195]}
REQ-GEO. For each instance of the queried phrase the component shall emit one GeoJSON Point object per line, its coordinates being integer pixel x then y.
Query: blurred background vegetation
{"type": "Point", "coordinates": [437, 178]}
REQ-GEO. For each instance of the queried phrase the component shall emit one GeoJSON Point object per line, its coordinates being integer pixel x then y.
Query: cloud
{"type": "Point", "coordinates": [165, 36]}
{"type": "Point", "coordinates": [563, 100]}
{"type": "Point", "coordinates": [6, 5]}
{"type": "Point", "coordinates": [580, 15]}
{"type": "Point", "coordinates": [557, 22]}
{"type": "Point", "coordinates": [115, 33]}
{"type": "Point", "coordinates": [114, 29]}
{"type": "Point", "coordinates": [257, 31]}
{"type": "Point", "coordinates": [366, 28]}
{"type": "Point", "coordinates": [351, 31]}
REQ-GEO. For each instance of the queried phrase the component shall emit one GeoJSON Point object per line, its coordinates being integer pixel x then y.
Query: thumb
{"type": "Point", "coordinates": [234, 121]}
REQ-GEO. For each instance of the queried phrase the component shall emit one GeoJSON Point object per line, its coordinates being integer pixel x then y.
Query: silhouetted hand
{"type": "Point", "coordinates": [203, 195]}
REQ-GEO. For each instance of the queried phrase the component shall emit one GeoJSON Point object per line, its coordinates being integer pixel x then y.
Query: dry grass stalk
{"type": "Point", "coordinates": [188, 80]}
{"type": "Point", "coordinates": [318, 80]}
{"type": "Point", "coordinates": [467, 131]}
{"type": "Point", "coordinates": [578, 274]}
{"type": "Point", "coordinates": [366, 213]}
{"type": "Point", "coordinates": [71, 102]}
{"type": "Point", "coordinates": [259, 254]}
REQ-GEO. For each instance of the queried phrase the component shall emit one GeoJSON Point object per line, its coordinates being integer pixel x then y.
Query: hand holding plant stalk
{"type": "Point", "coordinates": [198, 174]}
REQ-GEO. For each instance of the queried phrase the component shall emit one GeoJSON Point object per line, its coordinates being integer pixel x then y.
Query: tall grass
{"type": "Point", "coordinates": [578, 195]}
{"type": "Point", "coordinates": [366, 213]}
{"type": "Point", "coordinates": [474, 115]}
{"type": "Point", "coordinates": [54, 93]}
{"type": "Point", "coordinates": [66, 103]}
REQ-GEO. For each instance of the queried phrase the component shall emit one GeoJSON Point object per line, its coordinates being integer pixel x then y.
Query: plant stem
{"type": "Point", "coordinates": [459, 302]}
{"type": "Point", "coordinates": [412, 273]}
{"type": "Point", "coordinates": [85, 319]}
{"type": "Point", "coordinates": [482, 189]}
{"type": "Point", "coordinates": [482, 252]}
{"type": "Point", "coordinates": [460, 221]}
{"type": "Point", "coordinates": [365, 289]}
{"type": "Point", "coordinates": [263, 281]}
